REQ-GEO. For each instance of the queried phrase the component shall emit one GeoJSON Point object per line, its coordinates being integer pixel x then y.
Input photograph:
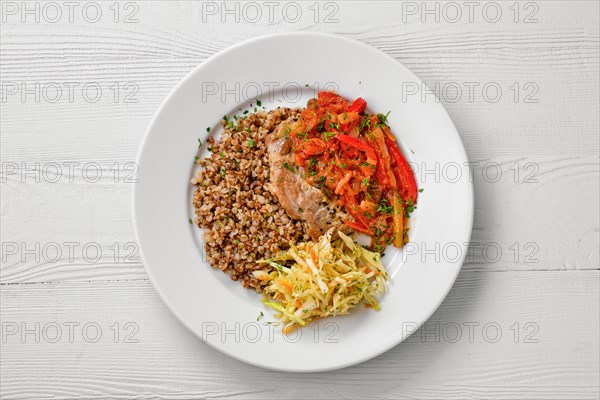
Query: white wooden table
{"type": "Point", "coordinates": [80, 82]}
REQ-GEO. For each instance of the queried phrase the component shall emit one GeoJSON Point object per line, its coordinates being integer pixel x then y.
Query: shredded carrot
{"type": "Point", "coordinates": [286, 284]}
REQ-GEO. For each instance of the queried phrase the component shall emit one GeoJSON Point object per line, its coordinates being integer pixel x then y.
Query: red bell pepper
{"type": "Point", "coordinates": [376, 139]}
{"type": "Point", "coordinates": [360, 145]}
{"type": "Point", "coordinates": [351, 206]}
{"type": "Point", "coordinates": [359, 105]}
{"type": "Point", "coordinates": [405, 177]}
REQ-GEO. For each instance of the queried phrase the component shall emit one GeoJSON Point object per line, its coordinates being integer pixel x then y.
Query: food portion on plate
{"type": "Point", "coordinates": [326, 278]}
{"type": "Point", "coordinates": [283, 193]}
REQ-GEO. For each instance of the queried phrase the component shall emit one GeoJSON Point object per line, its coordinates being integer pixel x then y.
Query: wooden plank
{"type": "Point", "coordinates": [555, 353]}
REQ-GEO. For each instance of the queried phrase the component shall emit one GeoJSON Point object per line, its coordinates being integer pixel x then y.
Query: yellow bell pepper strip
{"type": "Point", "coordinates": [398, 212]}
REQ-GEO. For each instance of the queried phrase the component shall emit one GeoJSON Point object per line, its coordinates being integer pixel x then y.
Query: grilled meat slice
{"type": "Point", "coordinates": [300, 200]}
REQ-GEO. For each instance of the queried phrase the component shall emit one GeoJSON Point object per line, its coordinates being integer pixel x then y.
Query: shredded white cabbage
{"type": "Point", "coordinates": [326, 279]}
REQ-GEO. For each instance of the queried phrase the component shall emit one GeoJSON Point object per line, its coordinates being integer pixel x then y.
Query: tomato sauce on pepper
{"type": "Point", "coordinates": [354, 158]}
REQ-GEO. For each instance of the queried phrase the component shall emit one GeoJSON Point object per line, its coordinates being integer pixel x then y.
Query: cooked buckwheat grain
{"type": "Point", "coordinates": [243, 221]}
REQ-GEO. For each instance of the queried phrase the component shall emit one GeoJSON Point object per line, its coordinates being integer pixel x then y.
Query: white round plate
{"type": "Point", "coordinates": [287, 70]}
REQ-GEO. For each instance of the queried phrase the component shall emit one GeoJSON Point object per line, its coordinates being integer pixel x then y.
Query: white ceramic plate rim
{"type": "Point", "coordinates": [462, 233]}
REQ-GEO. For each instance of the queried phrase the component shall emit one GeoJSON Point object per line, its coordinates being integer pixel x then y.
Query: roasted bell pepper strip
{"type": "Point", "coordinates": [380, 176]}
{"type": "Point", "coordinates": [359, 105]}
{"type": "Point", "coordinates": [407, 185]}
{"type": "Point", "coordinates": [378, 141]}
{"type": "Point", "coordinates": [358, 227]}
{"type": "Point", "coordinates": [388, 133]}
{"type": "Point", "coordinates": [352, 207]}
{"type": "Point", "coordinates": [360, 145]}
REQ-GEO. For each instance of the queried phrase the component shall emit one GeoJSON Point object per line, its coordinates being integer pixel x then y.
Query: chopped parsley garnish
{"type": "Point", "coordinates": [208, 129]}
{"type": "Point", "coordinates": [246, 112]}
{"type": "Point", "coordinates": [300, 210]}
{"type": "Point", "coordinates": [289, 167]}
{"type": "Point", "coordinates": [258, 103]}
{"type": "Point", "coordinates": [251, 143]}
{"type": "Point", "coordinates": [383, 119]}
{"type": "Point", "coordinates": [260, 316]}
{"type": "Point", "coordinates": [329, 135]}
{"type": "Point", "coordinates": [196, 158]}
{"type": "Point", "coordinates": [302, 135]}
{"type": "Point", "coordinates": [409, 208]}
{"type": "Point", "coordinates": [190, 221]}
{"type": "Point", "coordinates": [335, 125]}
{"type": "Point", "coordinates": [365, 123]}
{"type": "Point", "coordinates": [384, 207]}
{"type": "Point", "coordinates": [321, 125]}
{"type": "Point", "coordinates": [421, 190]}
{"type": "Point", "coordinates": [199, 143]}
{"type": "Point", "coordinates": [221, 154]}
